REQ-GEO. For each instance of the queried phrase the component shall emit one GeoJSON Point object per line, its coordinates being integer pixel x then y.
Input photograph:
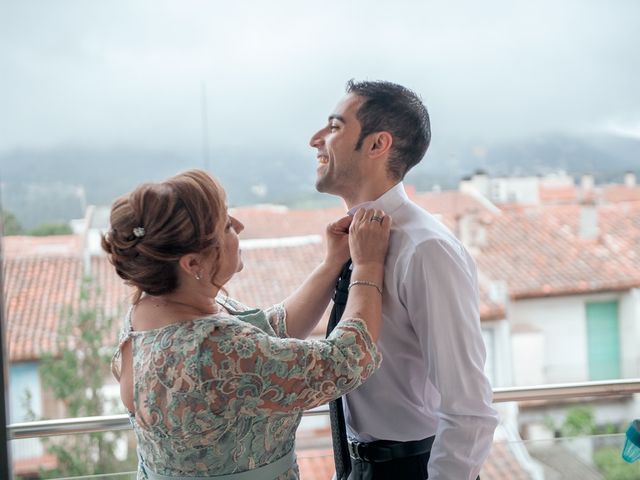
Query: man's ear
{"type": "Point", "coordinates": [380, 144]}
{"type": "Point", "coordinates": [190, 264]}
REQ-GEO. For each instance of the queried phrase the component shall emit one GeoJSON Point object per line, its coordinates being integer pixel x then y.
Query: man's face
{"type": "Point", "coordinates": [339, 165]}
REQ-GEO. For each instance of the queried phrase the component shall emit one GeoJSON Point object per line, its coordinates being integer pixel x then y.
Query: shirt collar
{"type": "Point", "coordinates": [388, 202]}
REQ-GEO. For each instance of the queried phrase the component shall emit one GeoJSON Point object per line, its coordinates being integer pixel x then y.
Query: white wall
{"type": "Point", "coordinates": [515, 189]}
{"type": "Point", "coordinates": [498, 365]}
{"type": "Point", "coordinates": [481, 184]}
{"type": "Point", "coordinates": [563, 323]}
{"type": "Point", "coordinates": [557, 180]}
{"type": "Point", "coordinates": [528, 357]}
{"type": "Point", "coordinates": [629, 314]}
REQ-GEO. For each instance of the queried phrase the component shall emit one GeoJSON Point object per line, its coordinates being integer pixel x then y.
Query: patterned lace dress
{"type": "Point", "coordinates": [225, 393]}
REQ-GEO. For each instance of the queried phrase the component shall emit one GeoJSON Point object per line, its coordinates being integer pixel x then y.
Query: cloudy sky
{"type": "Point", "coordinates": [99, 74]}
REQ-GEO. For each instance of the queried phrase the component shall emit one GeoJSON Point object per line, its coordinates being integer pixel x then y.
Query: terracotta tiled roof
{"type": "Point", "coordinates": [42, 279]}
{"type": "Point", "coordinates": [539, 251]}
{"type": "Point", "coordinates": [26, 246]}
{"type": "Point", "coordinates": [29, 467]}
{"type": "Point", "coordinates": [37, 290]}
{"type": "Point", "coordinates": [315, 464]}
{"type": "Point", "coordinates": [43, 274]}
{"type": "Point", "coordinates": [620, 193]}
{"type": "Point", "coordinates": [271, 274]}
{"type": "Point", "coordinates": [502, 464]}
{"type": "Point", "coordinates": [557, 194]}
{"type": "Point", "coordinates": [112, 293]}
{"type": "Point", "coordinates": [271, 221]}
{"type": "Point", "coordinates": [293, 263]}
{"type": "Point", "coordinates": [450, 203]}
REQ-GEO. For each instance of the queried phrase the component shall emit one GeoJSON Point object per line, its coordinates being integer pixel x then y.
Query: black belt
{"type": "Point", "coordinates": [385, 450]}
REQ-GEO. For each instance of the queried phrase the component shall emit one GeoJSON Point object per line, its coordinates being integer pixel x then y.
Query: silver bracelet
{"type": "Point", "coordinates": [365, 282]}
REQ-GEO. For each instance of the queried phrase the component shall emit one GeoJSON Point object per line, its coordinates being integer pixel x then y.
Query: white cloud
{"type": "Point", "coordinates": [624, 130]}
{"type": "Point", "coordinates": [131, 72]}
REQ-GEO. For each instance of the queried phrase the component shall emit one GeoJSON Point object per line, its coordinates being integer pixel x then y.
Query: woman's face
{"type": "Point", "coordinates": [230, 255]}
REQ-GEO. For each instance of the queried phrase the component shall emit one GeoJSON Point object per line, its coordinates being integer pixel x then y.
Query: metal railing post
{"type": "Point", "coordinates": [5, 454]}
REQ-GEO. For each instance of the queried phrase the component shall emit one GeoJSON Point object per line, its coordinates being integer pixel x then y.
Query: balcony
{"type": "Point", "coordinates": [543, 458]}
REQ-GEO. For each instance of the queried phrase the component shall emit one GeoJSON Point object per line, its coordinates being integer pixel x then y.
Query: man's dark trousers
{"type": "Point", "coordinates": [407, 468]}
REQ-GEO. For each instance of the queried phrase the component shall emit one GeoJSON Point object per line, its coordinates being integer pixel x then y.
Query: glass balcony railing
{"type": "Point", "coordinates": [594, 457]}
{"type": "Point", "coordinates": [545, 458]}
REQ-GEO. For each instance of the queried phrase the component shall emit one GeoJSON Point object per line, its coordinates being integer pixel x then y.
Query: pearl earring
{"type": "Point", "coordinates": [197, 276]}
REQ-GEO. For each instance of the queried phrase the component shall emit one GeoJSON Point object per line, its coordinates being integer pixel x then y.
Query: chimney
{"type": "Point", "coordinates": [466, 185]}
{"type": "Point", "coordinates": [630, 179]}
{"type": "Point", "coordinates": [587, 183]}
{"type": "Point", "coordinates": [471, 232]}
{"type": "Point", "coordinates": [480, 180]}
{"type": "Point", "coordinates": [498, 292]}
{"type": "Point", "coordinates": [86, 250]}
{"type": "Point", "coordinates": [588, 227]}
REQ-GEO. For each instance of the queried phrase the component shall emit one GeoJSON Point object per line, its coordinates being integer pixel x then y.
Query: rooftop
{"type": "Point", "coordinates": [543, 251]}
{"type": "Point", "coordinates": [534, 251]}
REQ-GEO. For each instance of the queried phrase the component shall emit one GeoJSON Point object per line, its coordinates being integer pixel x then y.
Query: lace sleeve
{"type": "Point", "coordinates": [125, 334]}
{"type": "Point", "coordinates": [277, 317]}
{"type": "Point", "coordinates": [250, 372]}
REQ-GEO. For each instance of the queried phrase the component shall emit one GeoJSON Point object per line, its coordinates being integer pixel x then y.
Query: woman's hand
{"type": "Point", "coordinates": [369, 242]}
{"type": "Point", "coordinates": [337, 236]}
{"type": "Point", "coordinates": [369, 237]}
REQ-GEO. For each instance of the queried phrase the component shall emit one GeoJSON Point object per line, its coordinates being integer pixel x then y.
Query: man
{"type": "Point", "coordinates": [428, 408]}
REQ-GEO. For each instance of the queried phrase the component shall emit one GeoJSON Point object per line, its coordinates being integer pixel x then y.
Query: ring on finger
{"type": "Point", "coordinates": [376, 218]}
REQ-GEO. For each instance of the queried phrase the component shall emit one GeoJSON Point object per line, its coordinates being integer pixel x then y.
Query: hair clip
{"type": "Point", "coordinates": [138, 232]}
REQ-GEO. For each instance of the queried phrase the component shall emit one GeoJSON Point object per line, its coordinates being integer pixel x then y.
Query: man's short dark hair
{"type": "Point", "coordinates": [395, 109]}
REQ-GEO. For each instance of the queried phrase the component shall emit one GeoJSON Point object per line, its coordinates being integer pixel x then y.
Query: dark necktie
{"type": "Point", "coordinates": [336, 413]}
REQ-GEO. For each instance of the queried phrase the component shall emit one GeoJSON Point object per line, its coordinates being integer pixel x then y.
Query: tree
{"type": "Point", "coordinates": [10, 224]}
{"type": "Point", "coordinates": [75, 375]}
{"type": "Point", "coordinates": [610, 463]}
{"type": "Point", "coordinates": [579, 420]}
{"type": "Point", "coordinates": [47, 229]}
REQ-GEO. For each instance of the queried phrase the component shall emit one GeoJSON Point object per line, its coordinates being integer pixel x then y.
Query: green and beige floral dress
{"type": "Point", "coordinates": [225, 393]}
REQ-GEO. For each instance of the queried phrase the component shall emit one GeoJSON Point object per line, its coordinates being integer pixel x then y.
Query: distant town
{"type": "Point", "coordinates": [559, 269]}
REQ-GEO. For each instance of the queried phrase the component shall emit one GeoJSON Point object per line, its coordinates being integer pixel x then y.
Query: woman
{"type": "Point", "coordinates": [215, 389]}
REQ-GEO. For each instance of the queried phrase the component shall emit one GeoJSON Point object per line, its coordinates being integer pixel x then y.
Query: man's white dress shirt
{"type": "Point", "coordinates": [432, 380]}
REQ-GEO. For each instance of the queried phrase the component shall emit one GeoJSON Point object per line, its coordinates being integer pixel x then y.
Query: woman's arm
{"type": "Point", "coordinates": [249, 372]}
{"type": "Point", "coordinates": [366, 240]}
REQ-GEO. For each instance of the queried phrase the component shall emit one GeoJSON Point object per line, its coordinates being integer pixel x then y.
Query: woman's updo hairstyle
{"type": "Point", "coordinates": [156, 224]}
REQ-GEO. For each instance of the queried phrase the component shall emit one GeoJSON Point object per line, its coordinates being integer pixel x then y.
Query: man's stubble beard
{"type": "Point", "coordinates": [339, 183]}
{"type": "Point", "coordinates": [323, 185]}
{"type": "Point", "coordinates": [333, 186]}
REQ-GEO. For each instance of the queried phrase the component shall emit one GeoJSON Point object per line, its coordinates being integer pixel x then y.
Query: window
{"type": "Point", "coordinates": [489, 364]}
{"type": "Point", "coordinates": [603, 340]}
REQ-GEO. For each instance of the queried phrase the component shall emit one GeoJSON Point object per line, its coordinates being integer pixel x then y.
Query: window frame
{"type": "Point", "coordinates": [5, 460]}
